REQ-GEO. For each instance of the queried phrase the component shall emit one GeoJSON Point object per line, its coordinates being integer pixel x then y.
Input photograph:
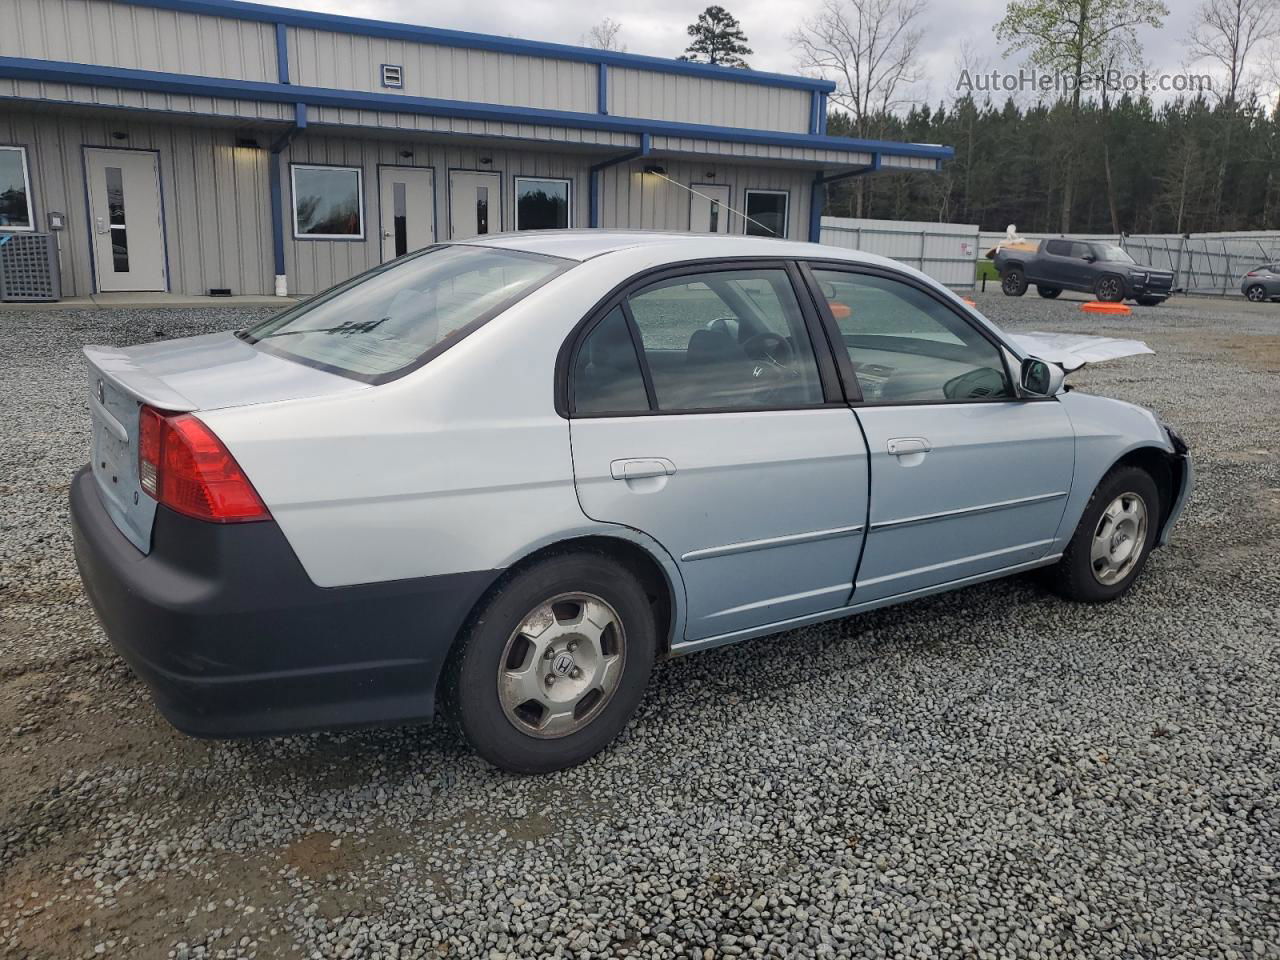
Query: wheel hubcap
{"type": "Point", "coordinates": [1119, 539]}
{"type": "Point", "coordinates": [561, 665]}
{"type": "Point", "coordinates": [1255, 294]}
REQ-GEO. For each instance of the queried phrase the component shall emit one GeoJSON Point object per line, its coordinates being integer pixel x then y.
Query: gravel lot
{"type": "Point", "coordinates": [991, 773]}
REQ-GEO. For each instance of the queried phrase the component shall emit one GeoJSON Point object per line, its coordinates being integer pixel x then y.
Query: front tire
{"type": "Point", "coordinates": [1109, 289]}
{"type": "Point", "coordinates": [1256, 293]}
{"type": "Point", "coordinates": [1049, 293]}
{"type": "Point", "coordinates": [1113, 540]}
{"type": "Point", "coordinates": [555, 663]}
{"type": "Point", "coordinates": [1013, 282]}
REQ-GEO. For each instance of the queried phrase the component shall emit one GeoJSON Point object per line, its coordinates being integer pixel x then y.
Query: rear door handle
{"type": "Point", "coordinates": [640, 468]}
{"type": "Point", "coordinates": [905, 446]}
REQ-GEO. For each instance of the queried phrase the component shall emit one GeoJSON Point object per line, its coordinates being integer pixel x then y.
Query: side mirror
{"type": "Point", "coordinates": [1090, 258]}
{"type": "Point", "coordinates": [1041, 378]}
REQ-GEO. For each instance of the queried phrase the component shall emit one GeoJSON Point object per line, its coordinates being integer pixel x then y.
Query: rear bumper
{"type": "Point", "coordinates": [233, 638]}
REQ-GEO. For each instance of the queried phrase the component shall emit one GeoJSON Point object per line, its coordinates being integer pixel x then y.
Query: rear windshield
{"type": "Point", "coordinates": [384, 323]}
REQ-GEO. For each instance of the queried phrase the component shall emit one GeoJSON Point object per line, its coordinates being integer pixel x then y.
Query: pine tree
{"type": "Point", "coordinates": [717, 38]}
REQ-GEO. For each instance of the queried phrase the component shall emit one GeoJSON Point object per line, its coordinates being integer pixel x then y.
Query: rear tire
{"type": "Point", "coordinates": [1049, 293]}
{"type": "Point", "coordinates": [554, 664]}
{"type": "Point", "coordinates": [1256, 293]}
{"type": "Point", "coordinates": [1109, 289]}
{"type": "Point", "coordinates": [1113, 540]}
{"type": "Point", "coordinates": [1013, 282]}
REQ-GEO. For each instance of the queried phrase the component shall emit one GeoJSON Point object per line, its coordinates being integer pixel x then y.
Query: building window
{"type": "Point", "coordinates": [15, 190]}
{"type": "Point", "coordinates": [767, 213]}
{"type": "Point", "coordinates": [327, 203]}
{"type": "Point", "coordinates": [542, 204]}
{"type": "Point", "coordinates": [392, 76]}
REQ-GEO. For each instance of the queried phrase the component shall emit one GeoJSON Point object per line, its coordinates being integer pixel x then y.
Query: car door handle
{"type": "Point", "coordinates": [640, 468]}
{"type": "Point", "coordinates": [905, 446]}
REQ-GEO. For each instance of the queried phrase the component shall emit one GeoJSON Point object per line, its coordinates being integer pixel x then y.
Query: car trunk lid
{"type": "Point", "coordinates": [189, 375]}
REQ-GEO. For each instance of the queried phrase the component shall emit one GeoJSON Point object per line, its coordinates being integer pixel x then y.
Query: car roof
{"type": "Point", "coordinates": [588, 244]}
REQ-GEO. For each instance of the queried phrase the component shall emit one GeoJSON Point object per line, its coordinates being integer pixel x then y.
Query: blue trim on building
{"type": "Point", "coordinates": [822, 116]}
{"type": "Point", "coordinates": [593, 177]}
{"type": "Point", "coordinates": [282, 52]}
{"type": "Point", "coordinates": [602, 88]}
{"type": "Point", "coordinates": [21, 68]}
{"type": "Point", "coordinates": [476, 41]}
{"type": "Point", "coordinates": [818, 195]}
{"type": "Point", "coordinates": [815, 112]}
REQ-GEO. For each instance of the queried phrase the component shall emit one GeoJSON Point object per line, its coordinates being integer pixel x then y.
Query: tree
{"type": "Point", "coordinates": [1228, 33]}
{"type": "Point", "coordinates": [717, 38]}
{"type": "Point", "coordinates": [605, 35]}
{"type": "Point", "coordinates": [1077, 38]}
{"type": "Point", "coordinates": [869, 48]}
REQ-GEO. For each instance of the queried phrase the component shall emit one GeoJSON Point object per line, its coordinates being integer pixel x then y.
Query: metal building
{"type": "Point", "coordinates": [193, 145]}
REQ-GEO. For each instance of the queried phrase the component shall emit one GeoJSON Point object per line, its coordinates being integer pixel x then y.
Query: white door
{"type": "Point", "coordinates": [475, 204]}
{"type": "Point", "coordinates": [709, 213]}
{"type": "Point", "coordinates": [124, 211]}
{"type": "Point", "coordinates": [408, 210]}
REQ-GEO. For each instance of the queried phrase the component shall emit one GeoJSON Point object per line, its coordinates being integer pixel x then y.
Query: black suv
{"type": "Point", "coordinates": [1089, 266]}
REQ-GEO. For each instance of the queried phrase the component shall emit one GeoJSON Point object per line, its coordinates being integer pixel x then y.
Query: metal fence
{"type": "Point", "coordinates": [1202, 263]}
{"type": "Point", "coordinates": [947, 252]}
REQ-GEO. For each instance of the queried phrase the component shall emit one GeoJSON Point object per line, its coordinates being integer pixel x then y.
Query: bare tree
{"type": "Point", "coordinates": [1228, 33]}
{"type": "Point", "coordinates": [869, 48]}
{"type": "Point", "coordinates": [605, 35]}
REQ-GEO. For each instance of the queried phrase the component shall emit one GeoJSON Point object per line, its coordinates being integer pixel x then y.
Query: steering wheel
{"type": "Point", "coordinates": [769, 348]}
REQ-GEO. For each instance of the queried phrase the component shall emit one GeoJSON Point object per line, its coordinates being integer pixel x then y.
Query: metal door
{"type": "Point", "coordinates": [408, 207]}
{"type": "Point", "coordinates": [475, 204]}
{"type": "Point", "coordinates": [762, 502]}
{"type": "Point", "coordinates": [709, 208]}
{"type": "Point", "coordinates": [125, 219]}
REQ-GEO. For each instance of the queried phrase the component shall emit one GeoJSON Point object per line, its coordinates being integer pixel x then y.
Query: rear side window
{"type": "Point", "coordinates": [719, 340]}
{"type": "Point", "coordinates": [607, 377]}
{"type": "Point", "coordinates": [391, 319]}
{"type": "Point", "coordinates": [1059, 248]}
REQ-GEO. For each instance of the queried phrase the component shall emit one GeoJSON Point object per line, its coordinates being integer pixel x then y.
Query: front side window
{"type": "Point", "coordinates": [15, 190]}
{"type": "Point", "coordinates": [542, 204]}
{"type": "Point", "coordinates": [387, 321]}
{"type": "Point", "coordinates": [1110, 253]}
{"type": "Point", "coordinates": [718, 340]}
{"type": "Point", "coordinates": [327, 203]}
{"type": "Point", "coordinates": [906, 347]}
{"type": "Point", "coordinates": [767, 213]}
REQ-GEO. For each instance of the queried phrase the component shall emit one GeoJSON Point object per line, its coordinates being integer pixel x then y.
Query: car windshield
{"type": "Point", "coordinates": [386, 322]}
{"type": "Point", "coordinates": [1110, 253]}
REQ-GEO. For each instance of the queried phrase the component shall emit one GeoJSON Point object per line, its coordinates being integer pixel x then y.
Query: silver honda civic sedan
{"type": "Point", "coordinates": [498, 479]}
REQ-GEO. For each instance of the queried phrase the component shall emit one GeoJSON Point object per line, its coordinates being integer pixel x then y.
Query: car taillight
{"type": "Point", "coordinates": [183, 465]}
{"type": "Point", "coordinates": [1252, 273]}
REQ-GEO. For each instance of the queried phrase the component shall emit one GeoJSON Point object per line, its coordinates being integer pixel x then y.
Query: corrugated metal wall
{"type": "Point", "coordinates": [248, 110]}
{"type": "Point", "coordinates": [686, 99]}
{"type": "Point", "coordinates": [141, 38]}
{"type": "Point", "coordinates": [631, 199]}
{"type": "Point", "coordinates": [217, 218]}
{"type": "Point", "coordinates": [945, 251]}
{"type": "Point", "coordinates": [324, 59]}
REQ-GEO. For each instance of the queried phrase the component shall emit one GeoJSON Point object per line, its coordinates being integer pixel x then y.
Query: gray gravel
{"type": "Point", "coordinates": [991, 773]}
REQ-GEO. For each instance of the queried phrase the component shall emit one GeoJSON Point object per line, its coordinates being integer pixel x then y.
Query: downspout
{"type": "Point", "coordinates": [594, 176]}
{"type": "Point", "coordinates": [277, 195]}
{"type": "Point", "coordinates": [818, 194]}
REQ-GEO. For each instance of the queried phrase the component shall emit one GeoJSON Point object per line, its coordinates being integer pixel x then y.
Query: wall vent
{"type": "Point", "coordinates": [29, 267]}
{"type": "Point", "coordinates": [392, 76]}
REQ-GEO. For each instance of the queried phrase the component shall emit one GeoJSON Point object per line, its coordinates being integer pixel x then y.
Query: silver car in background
{"type": "Point", "coordinates": [503, 477]}
{"type": "Point", "coordinates": [1262, 283]}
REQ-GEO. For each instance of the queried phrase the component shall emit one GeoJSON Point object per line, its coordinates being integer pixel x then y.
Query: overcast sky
{"type": "Point", "coordinates": [657, 27]}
